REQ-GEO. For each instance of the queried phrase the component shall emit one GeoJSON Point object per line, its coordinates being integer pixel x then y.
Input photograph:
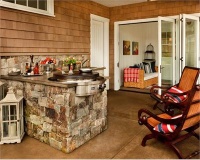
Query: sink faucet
{"type": "Point", "coordinates": [83, 62]}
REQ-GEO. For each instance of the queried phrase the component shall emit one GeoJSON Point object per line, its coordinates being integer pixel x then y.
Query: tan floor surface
{"type": "Point", "coordinates": [121, 140]}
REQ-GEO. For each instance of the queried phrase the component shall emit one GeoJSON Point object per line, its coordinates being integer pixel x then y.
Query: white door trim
{"type": "Point", "coordinates": [116, 47]}
{"type": "Point", "coordinates": [106, 43]}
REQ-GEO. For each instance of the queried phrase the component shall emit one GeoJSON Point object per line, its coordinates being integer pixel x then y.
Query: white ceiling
{"type": "Point", "coordinates": [113, 3]}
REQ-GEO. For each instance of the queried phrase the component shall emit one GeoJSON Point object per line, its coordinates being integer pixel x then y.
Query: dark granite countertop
{"type": "Point", "coordinates": [39, 80]}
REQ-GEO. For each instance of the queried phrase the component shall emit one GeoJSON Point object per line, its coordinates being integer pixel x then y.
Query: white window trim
{"type": "Point", "coordinates": [49, 12]}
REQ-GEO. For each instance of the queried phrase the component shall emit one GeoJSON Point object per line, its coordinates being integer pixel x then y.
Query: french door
{"type": "Point", "coordinates": [190, 41]}
{"type": "Point", "coordinates": [178, 46]}
{"type": "Point", "coordinates": [166, 51]}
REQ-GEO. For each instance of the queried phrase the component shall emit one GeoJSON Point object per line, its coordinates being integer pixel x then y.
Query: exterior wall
{"type": "Point", "coordinates": [23, 33]}
{"type": "Point", "coordinates": [147, 10]}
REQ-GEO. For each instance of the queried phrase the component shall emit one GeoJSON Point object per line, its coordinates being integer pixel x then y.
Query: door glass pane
{"type": "Point", "coordinates": [32, 3]}
{"type": "Point", "coordinates": [11, 1]}
{"type": "Point", "coordinates": [5, 112]}
{"type": "Point", "coordinates": [13, 112]}
{"type": "Point", "coordinates": [167, 53]}
{"type": "Point", "coordinates": [43, 4]}
{"type": "Point", "coordinates": [190, 44]}
{"type": "Point", "coordinates": [21, 2]}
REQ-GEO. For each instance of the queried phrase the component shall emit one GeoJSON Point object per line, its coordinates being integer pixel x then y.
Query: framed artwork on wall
{"type": "Point", "coordinates": [135, 47]}
{"type": "Point", "coordinates": [126, 47]}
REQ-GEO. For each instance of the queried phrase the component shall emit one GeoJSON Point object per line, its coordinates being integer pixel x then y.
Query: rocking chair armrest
{"type": "Point", "coordinates": [178, 94]}
{"type": "Point", "coordinates": [154, 89]}
{"type": "Point", "coordinates": [144, 114]}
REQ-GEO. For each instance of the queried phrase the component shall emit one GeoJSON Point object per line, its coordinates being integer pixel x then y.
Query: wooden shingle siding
{"type": "Point", "coordinates": [68, 32]}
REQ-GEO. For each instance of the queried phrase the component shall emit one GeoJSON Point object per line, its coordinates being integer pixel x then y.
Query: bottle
{"type": "Point", "coordinates": [26, 68]}
{"type": "Point", "coordinates": [71, 69]}
{"type": "Point", "coordinates": [36, 69]}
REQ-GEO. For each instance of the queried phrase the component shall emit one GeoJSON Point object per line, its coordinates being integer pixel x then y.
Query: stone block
{"type": "Point", "coordinates": [81, 112]}
{"type": "Point", "coordinates": [48, 120]}
{"type": "Point", "coordinates": [36, 120]}
{"type": "Point", "coordinates": [57, 108]}
{"type": "Point", "coordinates": [76, 124]}
{"type": "Point", "coordinates": [59, 99]}
{"type": "Point", "coordinates": [42, 101]}
{"type": "Point", "coordinates": [4, 64]}
{"type": "Point", "coordinates": [4, 71]}
{"type": "Point", "coordinates": [39, 132]}
{"type": "Point", "coordinates": [11, 62]}
{"type": "Point", "coordinates": [55, 144]}
{"type": "Point", "coordinates": [95, 130]}
{"type": "Point", "coordinates": [19, 92]}
{"type": "Point", "coordinates": [38, 87]}
{"type": "Point", "coordinates": [35, 94]}
{"type": "Point", "coordinates": [75, 132]}
{"type": "Point", "coordinates": [47, 127]}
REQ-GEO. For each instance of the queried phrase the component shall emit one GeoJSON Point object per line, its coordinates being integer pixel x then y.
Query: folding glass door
{"type": "Point", "coordinates": [190, 41]}
{"type": "Point", "coordinates": [166, 51]}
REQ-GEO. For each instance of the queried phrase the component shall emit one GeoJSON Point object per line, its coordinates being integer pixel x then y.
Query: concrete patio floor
{"type": "Point", "coordinates": [121, 140]}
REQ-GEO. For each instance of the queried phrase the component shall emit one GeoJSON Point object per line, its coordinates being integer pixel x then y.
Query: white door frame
{"type": "Point", "coordinates": [116, 47]}
{"type": "Point", "coordinates": [106, 44]}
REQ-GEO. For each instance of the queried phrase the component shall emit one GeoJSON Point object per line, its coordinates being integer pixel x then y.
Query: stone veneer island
{"type": "Point", "coordinates": [55, 115]}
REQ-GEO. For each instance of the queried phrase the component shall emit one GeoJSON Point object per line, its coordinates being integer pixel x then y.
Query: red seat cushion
{"type": "Point", "coordinates": [166, 128]}
{"type": "Point", "coordinates": [173, 97]}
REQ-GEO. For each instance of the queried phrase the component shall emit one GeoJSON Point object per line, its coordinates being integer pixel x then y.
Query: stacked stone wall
{"type": "Point", "coordinates": [56, 116]}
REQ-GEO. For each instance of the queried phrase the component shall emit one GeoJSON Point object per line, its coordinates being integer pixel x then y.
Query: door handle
{"type": "Point", "coordinates": [118, 64]}
{"type": "Point", "coordinates": [181, 59]}
{"type": "Point", "coordinates": [161, 68]}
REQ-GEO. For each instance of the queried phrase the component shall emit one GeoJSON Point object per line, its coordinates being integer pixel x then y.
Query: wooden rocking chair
{"type": "Point", "coordinates": [172, 129]}
{"type": "Point", "coordinates": [176, 95]}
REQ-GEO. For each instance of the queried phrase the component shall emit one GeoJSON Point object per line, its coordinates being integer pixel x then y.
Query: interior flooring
{"type": "Point", "coordinates": [121, 140]}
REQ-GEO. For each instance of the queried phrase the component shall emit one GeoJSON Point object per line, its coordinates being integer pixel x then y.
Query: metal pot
{"type": "Point", "coordinates": [85, 70]}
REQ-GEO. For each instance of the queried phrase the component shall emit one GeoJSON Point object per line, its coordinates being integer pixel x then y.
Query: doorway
{"type": "Point", "coordinates": [173, 31]}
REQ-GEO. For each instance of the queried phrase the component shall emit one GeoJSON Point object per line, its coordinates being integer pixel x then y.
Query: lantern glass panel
{"type": "Point", "coordinates": [21, 109]}
{"type": "Point", "coordinates": [12, 129]}
{"type": "Point", "coordinates": [5, 112]}
{"type": "Point", "coordinates": [5, 129]}
{"type": "Point", "coordinates": [13, 112]}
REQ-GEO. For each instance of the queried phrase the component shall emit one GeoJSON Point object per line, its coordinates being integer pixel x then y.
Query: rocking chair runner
{"type": "Point", "coordinates": [187, 121]}
{"type": "Point", "coordinates": [174, 95]}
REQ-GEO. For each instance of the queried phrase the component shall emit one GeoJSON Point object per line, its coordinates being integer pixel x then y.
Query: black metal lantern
{"type": "Point", "coordinates": [149, 54]}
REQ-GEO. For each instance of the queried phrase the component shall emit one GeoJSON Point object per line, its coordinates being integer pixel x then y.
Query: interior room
{"type": "Point", "coordinates": [143, 33]}
{"type": "Point", "coordinates": [99, 79]}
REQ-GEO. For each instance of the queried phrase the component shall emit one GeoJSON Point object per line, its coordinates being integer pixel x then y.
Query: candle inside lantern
{"type": "Point", "coordinates": [12, 129]}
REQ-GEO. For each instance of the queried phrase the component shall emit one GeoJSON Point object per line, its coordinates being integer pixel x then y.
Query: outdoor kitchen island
{"type": "Point", "coordinates": [56, 115]}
